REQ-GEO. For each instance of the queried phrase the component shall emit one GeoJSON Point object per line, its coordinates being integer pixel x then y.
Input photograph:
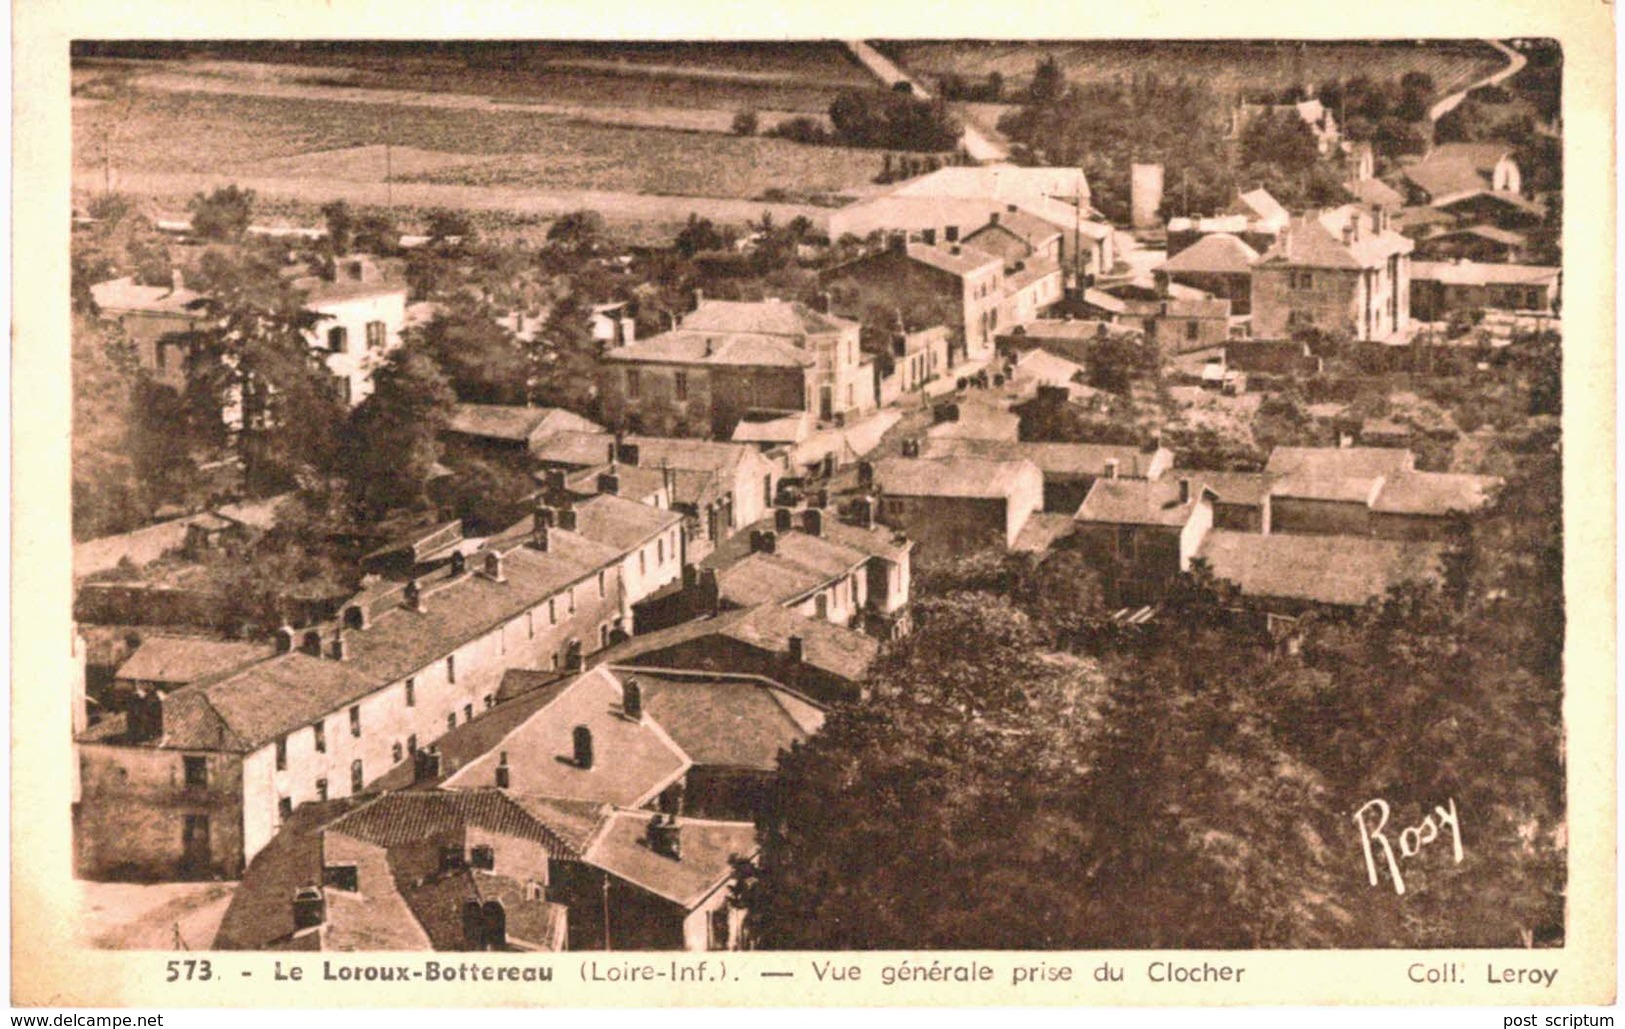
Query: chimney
{"type": "Point", "coordinates": [504, 780]}
{"type": "Point", "coordinates": [493, 567]}
{"type": "Point", "coordinates": [911, 448]}
{"type": "Point", "coordinates": [313, 643]}
{"type": "Point", "coordinates": [426, 764]}
{"type": "Point", "coordinates": [339, 648]}
{"type": "Point", "coordinates": [628, 453]}
{"type": "Point", "coordinates": [632, 699]}
{"type": "Point", "coordinates": [355, 616]}
{"type": "Point", "coordinates": [609, 482]}
{"type": "Point", "coordinates": [554, 480]}
{"type": "Point", "coordinates": [710, 590]}
{"type": "Point", "coordinates": [567, 519]}
{"type": "Point", "coordinates": [951, 233]}
{"type": "Point", "coordinates": [539, 536]}
{"type": "Point", "coordinates": [897, 243]}
{"type": "Point", "coordinates": [782, 517]}
{"type": "Point", "coordinates": [866, 474]}
{"type": "Point", "coordinates": [1111, 467]}
{"type": "Point", "coordinates": [798, 650]}
{"type": "Point", "coordinates": [812, 521]}
{"type": "Point", "coordinates": [1184, 491]}
{"type": "Point", "coordinates": [699, 298]}
{"type": "Point", "coordinates": [929, 237]}
{"type": "Point", "coordinates": [146, 715]}
{"type": "Point", "coordinates": [459, 562]}
{"type": "Point", "coordinates": [177, 280]}
{"type": "Point", "coordinates": [309, 908]}
{"type": "Point", "coordinates": [284, 639]}
{"type": "Point", "coordinates": [954, 250]}
{"type": "Point", "coordinates": [414, 595]}
{"type": "Point", "coordinates": [1010, 207]}
{"type": "Point", "coordinates": [578, 659]}
{"type": "Point", "coordinates": [866, 512]}
{"type": "Point", "coordinates": [666, 837]}
{"type": "Point", "coordinates": [581, 742]}
{"type": "Point", "coordinates": [993, 219]}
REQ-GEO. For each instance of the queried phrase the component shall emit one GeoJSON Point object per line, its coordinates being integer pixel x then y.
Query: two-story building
{"type": "Point", "coordinates": [360, 317]}
{"type": "Point", "coordinates": [1142, 534]}
{"type": "Point", "coordinates": [956, 504]}
{"type": "Point", "coordinates": [193, 782]}
{"type": "Point", "coordinates": [1338, 271]}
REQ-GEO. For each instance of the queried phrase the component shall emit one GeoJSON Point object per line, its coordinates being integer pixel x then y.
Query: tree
{"type": "Point", "coordinates": [253, 377]}
{"type": "Point", "coordinates": [340, 226]}
{"type": "Point", "coordinates": [1048, 83]}
{"type": "Point", "coordinates": [108, 497]}
{"type": "Point", "coordinates": [1281, 140]}
{"type": "Point", "coordinates": [481, 360]}
{"type": "Point", "coordinates": [392, 442]}
{"type": "Point", "coordinates": [698, 236]}
{"type": "Point", "coordinates": [223, 214]}
{"type": "Point", "coordinates": [577, 231]}
{"type": "Point", "coordinates": [745, 123]}
{"type": "Point", "coordinates": [376, 233]}
{"type": "Point", "coordinates": [447, 227]}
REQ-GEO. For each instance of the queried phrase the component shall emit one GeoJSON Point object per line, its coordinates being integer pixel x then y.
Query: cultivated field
{"type": "Point", "coordinates": [1227, 67]}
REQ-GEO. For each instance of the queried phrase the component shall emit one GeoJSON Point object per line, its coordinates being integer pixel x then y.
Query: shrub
{"type": "Point", "coordinates": [223, 214]}
{"type": "Point", "coordinates": [745, 123]}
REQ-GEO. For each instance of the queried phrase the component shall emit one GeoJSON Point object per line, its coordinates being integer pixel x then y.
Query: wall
{"type": "Point", "coordinates": [1331, 302]}
{"type": "Point", "coordinates": [1393, 526]}
{"type": "Point", "coordinates": [1319, 517]}
{"type": "Point", "coordinates": [726, 654]}
{"type": "Point", "coordinates": [637, 920]}
{"type": "Point", "coordinates": [145, 330]}
{"type": "Point", "coordinates": [653, 565]}
{"type": "Point", "coordinates": [1238, 289]}
{"type": "Point", "coordinates": [1173, 335]}
{"type": "Point", "coordinates": [941, 526]}
{"type": "Point", "coordinates": [356, 364]}
{"type": "Point", "coordinates": [132, 814]}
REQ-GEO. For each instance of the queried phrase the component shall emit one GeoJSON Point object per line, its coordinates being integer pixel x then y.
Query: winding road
{"type": "Point", "coordinates": [1515, 63]}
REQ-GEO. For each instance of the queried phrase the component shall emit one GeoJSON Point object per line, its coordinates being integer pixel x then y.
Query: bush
{"type": "Point", "coordinates": [745, 123]}
{"type": "Point", "coordinates": [223, 214]}
{"type": "Point", "coordinates": [801, 129]}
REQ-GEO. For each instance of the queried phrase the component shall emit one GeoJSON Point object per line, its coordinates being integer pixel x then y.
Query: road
{"type": "Point", "coordinates": [1515, 63]}
{"type": "Point", "coordinates": [977, 143]}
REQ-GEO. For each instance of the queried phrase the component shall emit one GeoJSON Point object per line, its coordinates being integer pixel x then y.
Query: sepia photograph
{"type": "Point", "coordinates": [820, 495]}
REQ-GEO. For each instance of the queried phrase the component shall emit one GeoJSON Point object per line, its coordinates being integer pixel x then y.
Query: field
{"type": "Point", "coordinates": [1227, 67]}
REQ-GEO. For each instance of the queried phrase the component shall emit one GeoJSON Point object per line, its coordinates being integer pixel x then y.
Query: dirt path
{"type": "Point", "coordinates": [1515, 63]}
{"type": "Point", "coordinates": [977, 143]}
{"type": "Point", "coordinates": [129, 916]}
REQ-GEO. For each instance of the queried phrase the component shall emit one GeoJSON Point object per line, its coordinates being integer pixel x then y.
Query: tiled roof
{"type": "Point", "coordinates": [1138, 502]}
{"type": "Point", "coordinates": [586, 449]}
{"type": "Point", "coordinates": [1353, 462]}
{"type": "Point", "coordinates": [620, 523]}
{"type": "Point", "coordinates": [523, 692]}
{"type": "Point", "coordinates": [766, 579]}
{"type": "Point", "coordinates": [1246, 489]}
{"type": "Point", "coordinates": [414, 816]}
{"type": "Point", "coordinates": [1476, 273]}
{"type": "Point", "coordinates": [1025, 230]}
{"type": "Point", "coordinates": [1457, 167]}
{"type": "Point", "coordinates": [289, 691]}
{"type": "Point", "coordinates": [695, 346]}
{"type": "Point", "coordinates": [785, 427]}
{"type": "Point", "coordinates": [437, 904]}
{"type": "Point", "coordinates": [1505, 237]}
{"type": "Point", "coordinates": [952, 477]}
{"type": "Point", "coordinates": [185, 659]}
{"type": "Point", "coordinates": [1053, 459]}
{"type": "Point", "coordinates": [954, 258]}
{"type": "Point", "coordinates": [519, 424]}
{"type": "Point", "coordinates": [763, 318]}
{"type": "Point", "coordinates": [633, 761]}
{"type": "Point", "coordinates": [1043, 531]}
{"type": "Point", "coordinates": [726, 722]}
{"type": "Point", "coordinates": [119, 295]}
{"type": "Point", "coordinates": [978, 421]}
{"type": "Point", "coordinates": [1434, 493]}
{"type": "Point", "coordinates": [1501, 196]}
{"type": "Point", "coordinates": [768, 627]}
{"type": "Point", "coordinates": [636, 482]}
{"type": "Point", "coordinates": [1375, 193]}
{"type": "Point", "coordinates": [320, 293]}
{"type": "Point", "coordinates": [1345, 489]}
{"type": "Point", "coordinates": [1002, 181]}
{"type": "Point", "coordinates": [1218, 253]}
{"type": "Point", "coordinates": [1346, 570]}
{"type": "Point", "coordinates": [708, 852]}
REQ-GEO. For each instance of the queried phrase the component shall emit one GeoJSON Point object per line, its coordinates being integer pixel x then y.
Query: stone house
{"type": "Point", "coordinates": [1342, 271]}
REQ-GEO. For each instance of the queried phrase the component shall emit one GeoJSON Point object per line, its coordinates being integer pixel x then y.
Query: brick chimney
{"type": "Point", "coordinates": [413, 595]}
{"type": "Point", "coordinates": [567, 519]}
{"type": "Point", "coordinates": [146, 715]}
{"type": "Point", "coordinates": [628, 453]}
{"type": "Point", "coordinates": [632, 699]}
{"type": "Point", "coordinates": [284, 639]}
{"type": "Point", "coordinates": [493, 567]}
{"type": "Point", "coordinates": [710, 591]}
{"type": "Point", "coordinates": [312, 644]}
{"type": "Point", "coordinates": [609, 482]}
{"type": "Point", "coordinates": [309, 908]}
{"type": "Point", "coordinates": [581, 746]}
{"type": "Point", "coordinates": [503, 777]}
{"type": "Point", "coordinates": [1184, 491]}
{"type": "Point", "coordinates": [798, 650]}
{"type": "Point", "coordinates": [666, 837]}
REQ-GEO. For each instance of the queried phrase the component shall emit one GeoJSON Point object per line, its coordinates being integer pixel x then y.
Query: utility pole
{"type": "Point", "coordinates": [389, 177]}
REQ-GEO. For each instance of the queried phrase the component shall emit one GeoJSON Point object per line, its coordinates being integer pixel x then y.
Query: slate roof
{"type": "Point", "coordinates": [1138, 502]}
{"type": "Point", "coordinates": [437, 904]}
{"type": "Point", "coordinates": [523, 692]}
{"type": "Point", "coordinates": [1354, 462]}
{"type": "Point", "coordinates": [762, 318]}
{"type": "Point", "coordinates": [1344, 570]}
{"type": "Point", "coordinates": [186, 659]}
{"type": "Point", "coordinates": [633, 761]}
{"type": "Point", "coordinates": [708, 851]}
{"type": "Point", "coordinates": [952, 477]}
{"type": "Point", "coordinates": [1218, 253]}
{"type": "Point", "coordinates": [1434, 493]}
{"type": "Point", "coordinates": [516, 424]}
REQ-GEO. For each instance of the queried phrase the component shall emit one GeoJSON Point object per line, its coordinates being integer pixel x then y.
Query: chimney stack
{"type": "Point", "coordinates": [710, 591]}
{"type": "Point", "coordinates": [284, 639]}
{"type": "Point", "coordinates": [763, 541]}
{"type": "Point", "coordinates": [609, 482]}
{"type": "Point", "coordinates": [581, 743]}
{"type": "Point", "coordinates": [1111, 467]}
{"type": "Point", "coordinates": [339, 649]}
{"type": "Point", "coordinates": [493, 567]}
{"type": "Point", "coordinates": [1184, 491]}
{"type": "Point", "coordinates": [866, 512]}
{"type": "Point", "coordinates": [503, 777]}
{"type": "Point", "coordinates": [459, 562]}
{"type": "Point", "coordinates": [309, 908]}
{"type": "Point", "coordinates": [812, 521]}
{"type": "Point", "coordinates": [798, 650]}
{"type": "Point", "coordinates": [632, 699]}
{"type": "Point", "coordinates": [665, 837]}
{"type": "Point", "coordinates": [414, 595]}
{"type": "Point", "coordinates": [313, 643]}
{"type": "Point", "coordinates": [628, 453]}
{"type": "Point", "coordinates": [782, 518]}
